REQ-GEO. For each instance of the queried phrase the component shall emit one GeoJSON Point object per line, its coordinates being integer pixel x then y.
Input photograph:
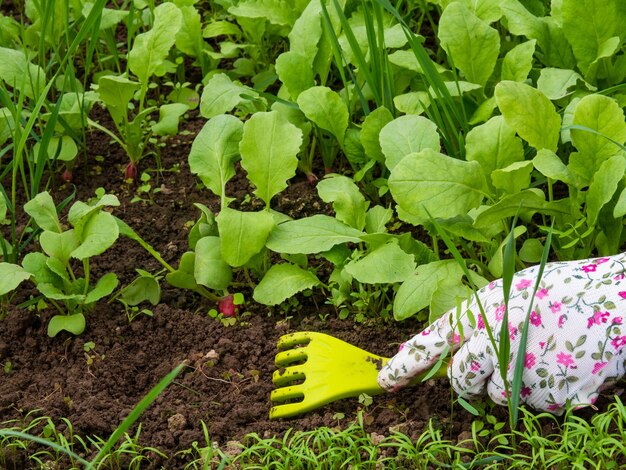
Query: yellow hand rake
{"type": "Point", "coordinates": [315, 369]}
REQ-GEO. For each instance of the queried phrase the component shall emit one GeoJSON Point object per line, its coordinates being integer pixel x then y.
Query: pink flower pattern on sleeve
{"type": "Point", "coordinates": [576, 340]}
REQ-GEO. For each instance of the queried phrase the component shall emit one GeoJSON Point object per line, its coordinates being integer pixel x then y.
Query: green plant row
{"type": "Point", "coordinates": [544, 442]}
{"type": "Point", "coordinates": [513, 113]}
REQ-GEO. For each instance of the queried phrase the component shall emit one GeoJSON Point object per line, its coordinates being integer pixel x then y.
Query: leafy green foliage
{"type": "Point", "coordinates": [530, 113]}
{"type": "Point", "coordinates": [471, 43]}
{"type": "Point", "coordinates": [268, 147]}
{"type": "Point", "coordinates": [283, 281]}
{"type": "Point", "coordinates": [214, 152]}
{"type": "Point", "coordinates": [94, 231]}
{"type": "Point", "coordinates": [433, 182]}
{"type": "Point", "coordinates": [150, 49]}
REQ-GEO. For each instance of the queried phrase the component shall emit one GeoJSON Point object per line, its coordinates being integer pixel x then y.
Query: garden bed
{"type": "Point", "coordinates": [284, 155]}
{"type": "Point", "coordinates": [228, 381]}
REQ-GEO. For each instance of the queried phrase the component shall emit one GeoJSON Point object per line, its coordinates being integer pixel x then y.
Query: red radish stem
{"type": "Point", "coordinates": [131, 171]}
{"type": "Point", "coordinates": [227, 307]}
{"type": "Point", "coordinates": [67, 176]}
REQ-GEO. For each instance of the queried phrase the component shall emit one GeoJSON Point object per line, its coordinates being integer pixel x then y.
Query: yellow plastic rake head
{"type": "Point", "coordinates": [316, 369]}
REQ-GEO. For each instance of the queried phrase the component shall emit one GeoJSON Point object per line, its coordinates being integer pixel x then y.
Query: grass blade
{"type": "Point", "coordinates": [136, 412]}
{"type": "Point", "coordinates": [44, 442]}
{"type": "Point", "coordinates": [518, 372]}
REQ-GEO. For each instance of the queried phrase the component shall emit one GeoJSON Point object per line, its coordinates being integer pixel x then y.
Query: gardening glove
{"type": "Point", "coordinates": [575, 346]}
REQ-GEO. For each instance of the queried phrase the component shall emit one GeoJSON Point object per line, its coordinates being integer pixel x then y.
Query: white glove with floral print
{"type": "Point", "coordinates": [576, 338]}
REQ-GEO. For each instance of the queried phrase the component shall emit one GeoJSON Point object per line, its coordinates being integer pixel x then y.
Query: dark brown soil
{"type": "Point", "coordinates": [227, 382]}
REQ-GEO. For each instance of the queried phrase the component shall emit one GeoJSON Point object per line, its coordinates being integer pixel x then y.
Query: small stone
{"type": "Point", "coordinates": [233, 448]}
{"type": "Point", "coordinates": [212, 355]}
{"type": "Point", "coordinates": [465, 440]}
{"type": "Point", "coordinates": [176, 422]}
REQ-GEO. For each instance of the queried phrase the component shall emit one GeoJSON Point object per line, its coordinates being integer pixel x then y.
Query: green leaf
{"type": "Point", "coordinates": [242, 234]}
{"type": "Point", "coordinates": [295, 71]}
{"type": "Point", "coordinates": [99, 233]}
{"type": "Point", "coordinates": [370, 132]}
{"type": "Point", "coordinates": [145, 288]}
{"type": "Point", "coordinates": [348, 201]}
{"type": "Point", "coordinates": [487, 10]}
{"type": "Point", "coordinates": [518, 62]}
{"type": "Point", "coordinates": [11, 276]}
{"type": "Point", "coordinates": [314, 234]}
{"type": "Point", "coordinates": [551, 166]}
{"type": "Point", "coordinates": [384, 265]}
{"type": "Point", "coordinates": [268, 152]}
{"type": "Point", "coordinates": [80, 212]}
{"type": "Point", "coordinates": [210, 269]}
{"type": "Point", "coordinates": [110, 17]}
{"type": "Point", "coordinates": [58, 268]}
{"type": "Point", "coordinates": [59, 245]}
{"type": "Point", "coordinates": [189, 37]}
{"type": "Point", "coordinates": [619, 210]}
{"type": "Point", "coordinates": [169, 115]}
{"type": "Point", "coordinates": [556, 51]}
{"type": "Point", "coordinates": [530, 113]}
{"type": "Point", "coordinates": [326, 109]}
{"type": "Point", "coordinates": [589, 24]}
{"type": "Point", "coordinates": [116, 92]}
{"type": "Point", "coordinates": [429, 182]}
{"type": "Point", "coordinates": [493, 145]}
{"type": "Point", "coordinates": [484, 111]}
{"type": "Point", "coordinates": [67, 151]}
{"type": "Point", "coordinates": [50, 291]}
{"type": "Point", "coordinates": [283, 281]}
{"type": "Point", "coordinates": [221, 95]}
{"type": "Point", "coordinates": [204, 227]}
{"type": "Point", "coordinates": [278, 12]}
{"type": "Point", "coordinates": [412, 103]}
{"type": "Point", "coordinates": [18, 72]}
{"type": "Point", "coordinates": [527, 200]}
{"type": "Point", "coordinates": [304, 37]}
{"type": "Point", "coordinates": [377, 218]}
{"type": "Point", "coordinates": [183, 277]}
{"type": "Point", "coordinates": [215, 150]}
{"type": "Point", "coordinates": [74, 324]}
{"type": "Point", "coordinates": [447, 296]}
{"type": "Point", "coordinates": [417, 291]}
{"type": "Point", "coordinates": [531, 251]}
{"type": "Point", "coordinates": [105, 285]}
{"type": "Point", "coordinates": [420, 251]}
{"type": "Point", "coordinates": [7, 124]}
{"type": "Point", "coordinates": [36, 263]}
{"type": "Point", "coordinates": [42, 209]}
{"type": "Point", "coordinates": [557, 83]}
{"type": "Point", "coordinates": [150, 49]}
{"type": "Point", "coordinates": [603, 186]}
{"type": "Point", "coordinates": [601, 114]}
{"type": "Point", "coordinates": [513, 178]}
{"type": "Point", "coordinates": [405, 135]}
{"type": "Point", "coordinates": [470, 42]}
{"type": "Point", "coordinates": [220, 28]}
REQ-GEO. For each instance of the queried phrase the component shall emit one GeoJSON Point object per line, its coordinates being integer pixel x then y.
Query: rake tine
{"type": "Point", "coordinates": [287, 393]}
{"type": "Point", "coordinates": [299, 338]}
{"type": "Point", "coordinates": [282, 377]}
{"type": "Point", "coordinates": [286, 358]}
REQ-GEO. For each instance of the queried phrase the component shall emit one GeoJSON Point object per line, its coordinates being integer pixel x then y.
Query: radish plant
{"type": "Point", "coordinates": [119, 93]}
{"type": "Point", "coordinates": [53, 270]}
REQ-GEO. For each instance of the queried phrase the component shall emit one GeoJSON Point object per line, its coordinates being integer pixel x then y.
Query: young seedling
{"type": "Point", "coordinates": [125, 99]}
{"type": "Point", "coordinates": [52, 269]}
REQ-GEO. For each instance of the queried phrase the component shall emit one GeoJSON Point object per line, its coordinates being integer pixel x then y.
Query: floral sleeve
{"type": "Point", "coordinates": [575, 344]}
